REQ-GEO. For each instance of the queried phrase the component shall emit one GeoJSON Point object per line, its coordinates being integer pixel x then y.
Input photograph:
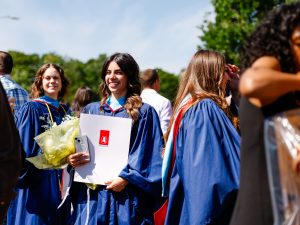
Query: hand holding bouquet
{"type": "Point", "coordinates": [57, 143]}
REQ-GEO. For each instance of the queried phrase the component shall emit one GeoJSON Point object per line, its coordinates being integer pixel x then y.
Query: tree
{"type": "Point", "coordinates": [168, 84]}
{"type": "Point", "coordinates": [25, 67]}
{"type": "Point", "coordinates": [78, 73]}
{"type": "Point", "coordinates": [234, 21]}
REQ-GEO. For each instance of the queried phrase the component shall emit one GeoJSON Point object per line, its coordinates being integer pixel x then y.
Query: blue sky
{"type": "Point", "coordinates": [158, 33]}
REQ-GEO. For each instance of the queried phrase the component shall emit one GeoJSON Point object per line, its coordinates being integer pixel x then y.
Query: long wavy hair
{"type": "Point", "coordinates": [272, 38]}
{"type": "Point", "coordinates": [131, 69]}
{"type": "Point", "coordinates": [203, 78]}
{"type": "Point", "coordinates": [37, 86]}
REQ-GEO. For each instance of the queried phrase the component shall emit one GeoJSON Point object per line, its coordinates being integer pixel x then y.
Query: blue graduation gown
{"type": "Point", "coordinates": [206, 171]}
{"type": "Point", "coordinates": [38, 191]}
{"type": "Point", "coordinates": [142, 195]}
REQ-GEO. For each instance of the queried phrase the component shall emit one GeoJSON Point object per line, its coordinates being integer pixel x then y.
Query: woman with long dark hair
{"type": "Point", "coordinates": [133, 196]}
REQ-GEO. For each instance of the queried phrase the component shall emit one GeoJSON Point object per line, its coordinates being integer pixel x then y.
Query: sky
{"type": "Point", "coordinates": [157, 33]}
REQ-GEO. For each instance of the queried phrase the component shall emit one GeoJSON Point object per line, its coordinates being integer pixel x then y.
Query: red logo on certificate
{"type": "Point", "coordinates": [104, 137]}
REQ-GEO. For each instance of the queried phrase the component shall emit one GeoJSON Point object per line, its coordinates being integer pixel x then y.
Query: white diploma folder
{"type": "Point", "coordinates": [108, 142]}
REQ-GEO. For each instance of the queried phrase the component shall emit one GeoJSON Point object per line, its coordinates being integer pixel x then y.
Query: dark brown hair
{"type": "Point", "coordinates": [83, 96]}
{"type": "Point", "coordinates": [6, 63]}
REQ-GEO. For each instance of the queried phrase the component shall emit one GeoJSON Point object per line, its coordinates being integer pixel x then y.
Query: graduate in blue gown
{"type": "Point", "coordinates": [201, 163]}
{"type": "Point", "coordinates": [38, 191]}
{"type": "Point", "coordinates": [133, 196]}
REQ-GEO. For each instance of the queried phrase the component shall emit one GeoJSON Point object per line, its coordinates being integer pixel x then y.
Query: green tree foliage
{"type": "Point", "coordinates": [168, 84]}
{"type": "Point", "coordinates": [234, 21]}
{"type": "Point", "coordinates": [78, 73]}
{"type": "Point", "coordinates": [25, 67]}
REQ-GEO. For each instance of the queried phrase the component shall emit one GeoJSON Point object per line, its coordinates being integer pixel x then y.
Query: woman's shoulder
{"type": "Point", "coordinates": [91, 107]}
{"type": "Point", "coordinates": [30, 109]}
{"type": "Point", "coordinates": [267, 62]}
{"type": "Point", "coordinates": [146, 108]}
{"type": "Point", "coordinates": [208, 106]}
{"type": "Point", "coordinates": [207, 102]}
{"type": "Point", "coordinates": [33, 104]}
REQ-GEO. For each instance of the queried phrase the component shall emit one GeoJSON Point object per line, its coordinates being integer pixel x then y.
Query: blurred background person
{"type": "Point", "coordinates": [10, 154]}
{"type": "Point", "coordinates": [83, 96]}
{"type": "Point", "coordinates": [268, 85]}
{"type": "Point", "coordinates": [151, 85]}
{"type": "Point", "coordinates": [13, 90]}
{"type": "Point", "coordinates": [232, 88]}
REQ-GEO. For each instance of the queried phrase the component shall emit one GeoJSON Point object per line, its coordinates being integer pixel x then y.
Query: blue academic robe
{"type": "Point", "coordinates": [38, 191]}
{"type": "Point", "coordinates": [205, 177]}
{"type": "Point", "coordinates": [142, 195]}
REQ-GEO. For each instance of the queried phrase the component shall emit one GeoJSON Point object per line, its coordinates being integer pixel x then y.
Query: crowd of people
{"type": "Point", "coordinates": [187, 163]}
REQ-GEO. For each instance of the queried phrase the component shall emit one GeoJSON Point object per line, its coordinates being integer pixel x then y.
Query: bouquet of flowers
{"type": "Point", "coordinates": [57, 143]}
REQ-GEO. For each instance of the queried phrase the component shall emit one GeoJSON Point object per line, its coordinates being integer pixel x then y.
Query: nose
{"type": "Point", "coordinates": [112, 75]}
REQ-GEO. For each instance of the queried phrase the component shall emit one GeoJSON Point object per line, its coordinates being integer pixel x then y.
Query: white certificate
{"type": "Point", "coordinates": [108, 141]}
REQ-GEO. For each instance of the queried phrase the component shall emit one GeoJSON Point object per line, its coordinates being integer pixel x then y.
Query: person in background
{"type": "Point", "coordinates": [151, 85]}
{"type": "Point", "coordinates": [133, 196]}
{"type": "Point", "coordinates": [10, 154]}
{"type": "Point", "coordinates": [16, 94]}
{"type": "Point", "coordinates": [269, 84]}
{"type": "Point", "coordinates": [201, 163]}
{"type": "Point", "coordinates": [232, 88]}
{"type": "Point", "coordinates": [38, 191]}
{"type": "Point", "coordinates": [83, 96]}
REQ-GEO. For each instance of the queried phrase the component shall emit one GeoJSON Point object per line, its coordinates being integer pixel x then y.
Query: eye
{"type": "Point", "coordinates": [119, 72]}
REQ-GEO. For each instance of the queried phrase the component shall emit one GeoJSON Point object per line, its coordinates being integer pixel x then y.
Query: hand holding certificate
{"type": "Point", "coordinates": [108, 142]}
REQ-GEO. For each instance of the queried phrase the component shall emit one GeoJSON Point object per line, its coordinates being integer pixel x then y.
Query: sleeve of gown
{"type": "Point", "coordinates": [144, 161]}
{"type": "Point", "coordinates": [29, 126]}
{"type": "Point", "coordinates": [207, 160]}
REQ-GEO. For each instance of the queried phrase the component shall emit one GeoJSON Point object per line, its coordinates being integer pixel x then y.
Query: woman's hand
{"type": "Point", "coordinates": [117, 184]}
{"type": "Point", "coordinates": [234, 77]}
{"type": "Point", "coordinates": [78, 159]}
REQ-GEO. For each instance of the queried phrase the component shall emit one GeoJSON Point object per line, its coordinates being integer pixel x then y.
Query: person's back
{"type": "Point", "coordinates": [12, 88]}
{"type": "Point", "coordinates": [150, 82]}
{"type": "Point", "coordinates": [10, 155]}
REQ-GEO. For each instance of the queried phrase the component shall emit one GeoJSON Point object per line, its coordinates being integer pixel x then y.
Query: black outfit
{"type": "Point", "coordinates": [10, 154]}
{"type": "Point", "coordinates": [253, 204]}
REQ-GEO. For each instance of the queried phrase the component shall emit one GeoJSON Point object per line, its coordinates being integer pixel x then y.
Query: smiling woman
{"type": "Point", "coordinates": [51, 82]}
{"type": "Point", "coordinates": [116, 80]}
{"type": "Point", "coordinates": [38, 191]}
{"type": "Point", "coordinates": [134, 195]}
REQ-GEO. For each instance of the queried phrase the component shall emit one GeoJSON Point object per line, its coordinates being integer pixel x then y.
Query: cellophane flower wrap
{"type": "Point", "coordinates": [56, 143]}
{"type": "Point", "coordinates": [282, 142]}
